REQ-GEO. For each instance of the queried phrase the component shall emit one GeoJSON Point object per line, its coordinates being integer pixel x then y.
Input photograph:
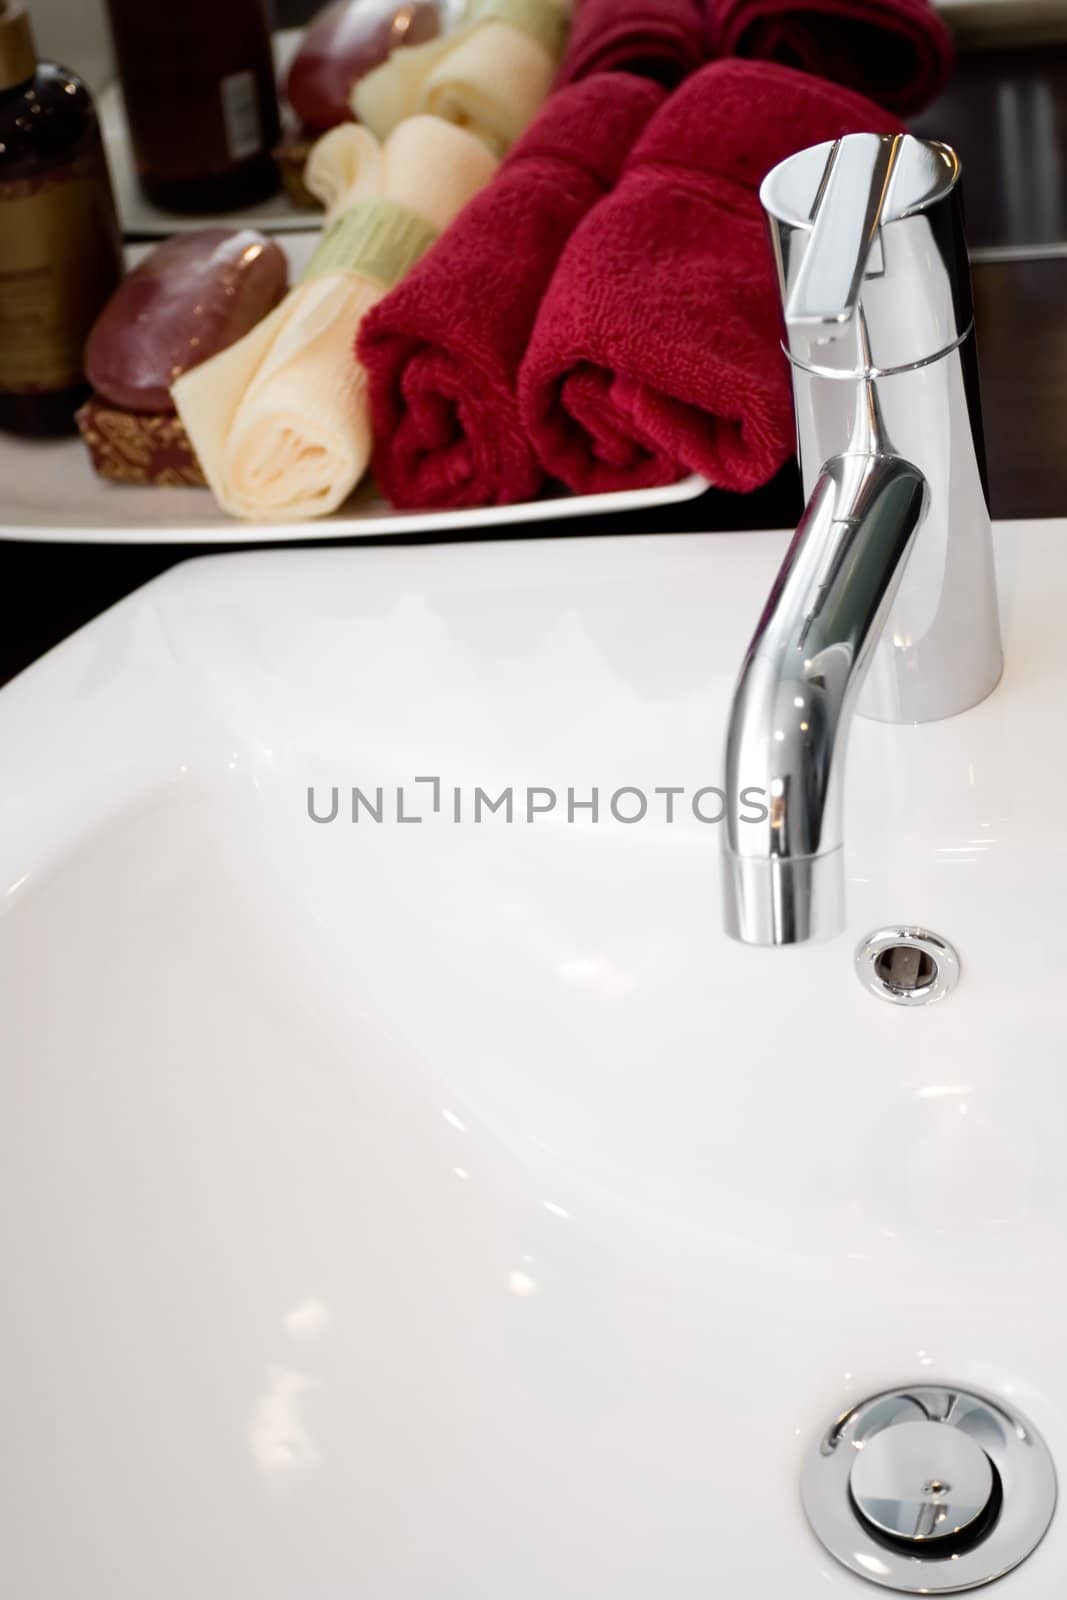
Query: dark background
{"type": "Point", "coordinates": [1006, 114]}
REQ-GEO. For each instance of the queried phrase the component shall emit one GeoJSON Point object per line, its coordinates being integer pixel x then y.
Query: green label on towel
{"type": "Point", "coordinates": [543, 21]}
{"type": "Point", "coordinates": [376, 239]}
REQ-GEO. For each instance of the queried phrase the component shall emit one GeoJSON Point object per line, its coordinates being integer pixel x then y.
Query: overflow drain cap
{"type": "Point", "coordinates": [908, 966]}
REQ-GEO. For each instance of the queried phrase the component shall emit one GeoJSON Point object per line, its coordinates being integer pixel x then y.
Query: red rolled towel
{"type": "Point", "coordinates": [656, 350]}
{"type": "Point", "coordinates": [664, 40]}
{"type": "Point", "coordinates": [897, 51]}
{"type": "Point", "coordinates": [442, 351]}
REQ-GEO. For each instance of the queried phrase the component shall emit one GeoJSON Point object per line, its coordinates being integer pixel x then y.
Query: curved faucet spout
{"type": "Point", "coordinates": [872, 266]}
{"type": "Point", "coordinates": [794, 700]}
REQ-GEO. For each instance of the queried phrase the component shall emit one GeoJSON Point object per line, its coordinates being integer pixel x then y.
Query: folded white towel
{"type": "Point", "coordinates": [491, 75]}
{"type": "Point", "coordinates": [280, 421]}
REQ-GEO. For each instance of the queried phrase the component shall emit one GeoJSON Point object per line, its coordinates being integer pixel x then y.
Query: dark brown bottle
{"type": "Point", "coordinates": [60, 249]}
{"type": "Point", "coordinates": [201, 102]}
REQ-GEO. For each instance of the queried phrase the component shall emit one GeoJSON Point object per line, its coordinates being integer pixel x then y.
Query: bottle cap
{"type": "Point", "coordinates": [18, 55]}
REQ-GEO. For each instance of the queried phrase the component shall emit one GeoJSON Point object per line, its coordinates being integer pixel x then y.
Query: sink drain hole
{"type": "Point", "coordinates": [907, 966]}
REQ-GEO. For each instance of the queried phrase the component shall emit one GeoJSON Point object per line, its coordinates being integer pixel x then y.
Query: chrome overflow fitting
{"type": "Point", "coordinates": [907, 966]}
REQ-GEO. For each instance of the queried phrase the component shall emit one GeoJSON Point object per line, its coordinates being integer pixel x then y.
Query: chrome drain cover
{"type": "Point", "coordinates": [930, 1490]}
{"type": "Point", "coordinates": [920, 1482]}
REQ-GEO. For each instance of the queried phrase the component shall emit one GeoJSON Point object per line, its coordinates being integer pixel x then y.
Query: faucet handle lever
{"type": "Point", "coordinates": [846, 218]}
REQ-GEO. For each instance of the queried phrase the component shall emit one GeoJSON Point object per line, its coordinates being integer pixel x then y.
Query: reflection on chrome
{"type": "Point", "coordinates": [871, 1564]}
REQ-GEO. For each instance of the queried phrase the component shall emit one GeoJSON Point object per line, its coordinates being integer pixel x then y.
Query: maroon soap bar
{"type": "Point", "coordinates": [192, 297]}
{"type": "Point", "coordinates": [345, 42]}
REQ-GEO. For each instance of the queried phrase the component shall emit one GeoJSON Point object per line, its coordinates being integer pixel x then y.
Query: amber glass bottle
{"type": "Point", "coordinates": [201, 102]}
{"type": "Point", "coordinates": [60, 250]}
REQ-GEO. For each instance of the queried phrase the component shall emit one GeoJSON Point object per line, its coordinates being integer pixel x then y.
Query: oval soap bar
{"type": "Point", "coordinates": [192, 297]}
{"type": "Point", "coordinates": [344, 43]}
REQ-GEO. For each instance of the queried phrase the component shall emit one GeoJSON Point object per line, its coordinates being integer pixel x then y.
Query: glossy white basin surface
{"type": "Point", "coordinates": [450, 1211]}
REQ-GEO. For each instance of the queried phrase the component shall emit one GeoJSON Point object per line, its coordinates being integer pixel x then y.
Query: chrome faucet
{"type": "Point", "coordinates": [886, 601]}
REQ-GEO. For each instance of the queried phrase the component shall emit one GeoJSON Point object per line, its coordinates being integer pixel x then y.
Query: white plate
{"type": "Point", "coordinates": [1026, 21]}
{"type": "Point", "coordinates": [139, 216]}
{"type": "Point", "coordinates": [276, 215]}
{"type": "Point", "coordinates": [1022, 10]}
{"type": "Point", "coordinates": [50, 493]}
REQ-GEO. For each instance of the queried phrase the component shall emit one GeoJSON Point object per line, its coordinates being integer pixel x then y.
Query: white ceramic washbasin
{"type": "Point", "coordinates": [450, 1211]}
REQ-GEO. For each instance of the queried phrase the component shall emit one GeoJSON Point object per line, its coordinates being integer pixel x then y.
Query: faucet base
{"type": "Point", "coordinates": [939, 650]}
{"type": "Point", "coordinates": [784, 900]}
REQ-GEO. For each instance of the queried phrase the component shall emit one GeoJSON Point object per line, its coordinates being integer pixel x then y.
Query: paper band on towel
{"type": "Point", "coordinates": [376, 239]}
{"type": "Point", "coordinates": [543, 21]}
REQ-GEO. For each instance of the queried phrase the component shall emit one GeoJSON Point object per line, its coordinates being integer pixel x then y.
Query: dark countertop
{"type": "Point", "coordinates": [1006, 113]}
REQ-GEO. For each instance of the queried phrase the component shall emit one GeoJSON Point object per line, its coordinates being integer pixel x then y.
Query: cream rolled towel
{"type": "Point", "coordinates": [490, 76]}
{"type": "Point", "coordinates": [280, 421]}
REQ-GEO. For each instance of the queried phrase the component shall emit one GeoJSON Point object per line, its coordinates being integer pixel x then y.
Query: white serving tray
{"type": "Point", "coordinates": [999, 20]}
{"type": "Point", "coordinates": [139, 216]}
{"type": "Point", "coordinates": [49, 492]}
{"type": "Point", "coordinates": [141, 219]}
